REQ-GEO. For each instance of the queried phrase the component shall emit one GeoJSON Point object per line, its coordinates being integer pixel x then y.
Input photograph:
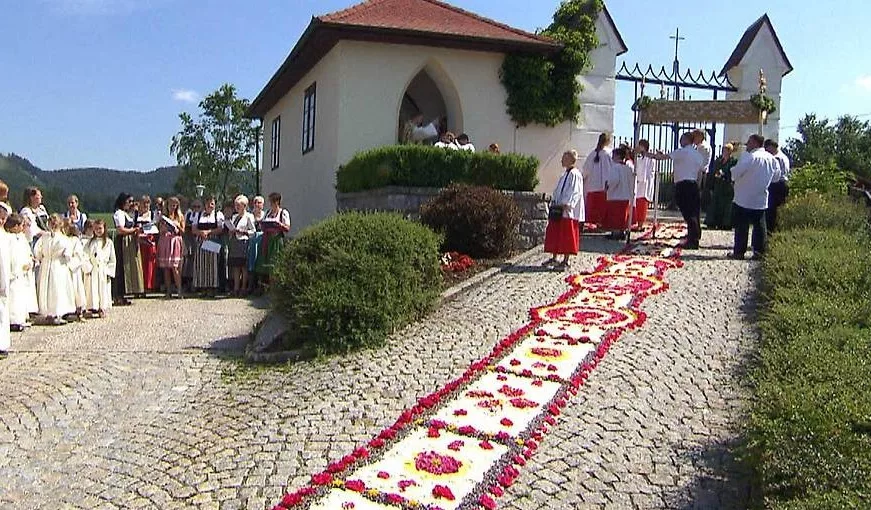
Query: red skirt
{"type": "Point", "coordinates": [148, 251]}
{"type": "Point", "coordinates": [562, 237]}
{"type": "Point", "coordinates": [617, 215]}
{"type": "Point", "coordinates": [639, 216]}
{"type": "Point", "coordinates": [594, 207]}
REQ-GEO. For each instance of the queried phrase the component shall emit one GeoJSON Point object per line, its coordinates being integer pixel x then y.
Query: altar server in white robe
{"type": "Point", "coordinates": [79, 265]}
{"type": "Point", "coordinates": [98, 283]}
{"type": "Point", "coordinates": [5, 271]}
{"type": "Point", "coordinates": [22, 288]}
{"type": "Point", "coordinates": [54, 290]}
{"type": "Point", "coordinates": [645, 183]}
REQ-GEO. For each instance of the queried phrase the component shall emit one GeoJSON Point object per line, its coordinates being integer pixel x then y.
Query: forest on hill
{"type": "Point", "coordinates": [96, 188]}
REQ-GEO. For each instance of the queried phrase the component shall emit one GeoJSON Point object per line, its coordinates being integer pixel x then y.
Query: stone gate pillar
{"type": "Point", "coordinates": [758, 49]}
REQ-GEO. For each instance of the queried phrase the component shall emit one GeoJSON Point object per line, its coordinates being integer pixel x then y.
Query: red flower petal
{"type": "Point", "coordinates": [443, 492]}
{"type": "Point", "coordinates": [384, 475]}
{"type": "Point", "coordinates": [355, 485]}
{"type": "Point", "coordinates": [506, 422]}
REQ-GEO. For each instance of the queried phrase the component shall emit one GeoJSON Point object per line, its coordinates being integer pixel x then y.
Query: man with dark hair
{"type": "Point", "coordinates": [752, 176]}
{"type": "Point", "coordinates": [778, 190]}
{"type": "Point", "coordinates": [464, 143]}
{"type": "Point", "coordinates": [688, 164]}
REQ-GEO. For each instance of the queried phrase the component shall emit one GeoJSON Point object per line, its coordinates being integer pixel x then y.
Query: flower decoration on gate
{"type": "Point", "coordinates": [462, 446]}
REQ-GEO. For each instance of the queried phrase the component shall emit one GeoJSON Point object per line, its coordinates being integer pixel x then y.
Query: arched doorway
{"type": "Point", "coordinates": [431, 94]}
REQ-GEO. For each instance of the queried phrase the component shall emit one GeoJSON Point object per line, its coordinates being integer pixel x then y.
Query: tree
{"type": "Point", "coordinates": [845, 144]}
{"type": "Point", "coordinates": [217, 149]}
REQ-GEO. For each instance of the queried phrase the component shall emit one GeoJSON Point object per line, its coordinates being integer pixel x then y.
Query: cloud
{"type": "Point", "coordinates": [864, 82]}
{"type": "Point", "coordinates": [185, 95]}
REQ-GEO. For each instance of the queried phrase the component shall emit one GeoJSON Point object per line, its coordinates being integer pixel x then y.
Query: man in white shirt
{"type": "Point", "coordinates": [778, 190]}
{"type": "Point", "coordinates": [752, 176]}
{"type": "Point", "coordinates": [688, 163]}
{"type": "Point", "coordinates": [447, 141]}
{"type": "Point", "coordinates": [464, 143]}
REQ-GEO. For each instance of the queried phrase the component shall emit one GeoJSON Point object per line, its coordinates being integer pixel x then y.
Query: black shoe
{"type": "Point", "coordinates": [734, 256]}
{"type": "Point", "coordinates": [16, 328]}
{"type": "Point", "coordinates": [691, 246]}
{"type": "Point", "coordinates": [757, 256]}
{"type": "Point", "coordinates": [4, 355]}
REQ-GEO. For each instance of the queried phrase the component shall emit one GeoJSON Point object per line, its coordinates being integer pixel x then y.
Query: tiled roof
{"type": "Point", "coordinates": [748, 38]}
{"type": "Point", "coordinates": [429, 16]}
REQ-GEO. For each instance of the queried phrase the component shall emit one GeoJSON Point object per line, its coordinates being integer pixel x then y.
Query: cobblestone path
{"type": "Point", "coordinates": [144, 411]}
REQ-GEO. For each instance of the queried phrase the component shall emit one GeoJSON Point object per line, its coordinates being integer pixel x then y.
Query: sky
{"type": "Point", "coordinates": [101, 82]}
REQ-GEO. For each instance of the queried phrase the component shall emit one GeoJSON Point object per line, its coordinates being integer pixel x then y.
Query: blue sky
{"type": "Point", "coordinates": [101, 82]}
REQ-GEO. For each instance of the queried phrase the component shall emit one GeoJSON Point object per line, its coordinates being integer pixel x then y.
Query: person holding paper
{"type": "Point", "coordinates": [275, 223]}
{"type": "Point", "coordinates": [170, 246]}
{"type": "Point", "coordinates": [128, 269]}
{"type": "Point", "coordinates": [207, 230]}
{"type": "Point", "coordinates": [241, 227]}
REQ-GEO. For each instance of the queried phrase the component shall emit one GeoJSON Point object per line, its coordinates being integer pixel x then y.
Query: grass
{"type": "Point", "coordinates": [809, 435]}
{"type": "Point", "coordinates": [107, 217]}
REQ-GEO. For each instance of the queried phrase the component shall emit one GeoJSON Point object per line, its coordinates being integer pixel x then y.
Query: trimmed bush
{"type": "Point", "coordinates": [348, 282]}
{"type": "Point", "coordinates": [813, 210]}
{"type": "Point", "coordinates": [475, 220]}
{"type": "Point", "coordinates": [432, 167]}
{"type": "Point", "coordinates": [809, 434]}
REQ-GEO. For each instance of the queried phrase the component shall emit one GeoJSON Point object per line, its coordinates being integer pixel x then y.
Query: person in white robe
{"type": "Point", "coordinates": [54, 288]}
{"type": "Point", "coordinates": [79, 265]}
{"type": "Point", "coordinates": [565, 214]}
{"type": "Point", "coordinates": [645, 183]}
{"type": "Point", "coordinates": [22, 287]}
{"type": "Point", "coordinates": [5, 272]}
{"type": "Point", "coordinates": [464, 143]}
{"type": "Point", "coordinates": [448, 141]}
{"type": "Point", "coordinates": [98, 283]}
{"type": "Point", "coordinates": [595, 172]}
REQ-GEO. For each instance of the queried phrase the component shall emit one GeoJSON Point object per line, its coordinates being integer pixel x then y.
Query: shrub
{"type": "Point", "coordinates": [825, 179]}
{"type": "Point", "coordinates": [475, 220]}
{"type": "Point", "coordinates": [432, 167]}
{"type": "Point", "coordinates": [812, 210]}
{"type": "Point", "coordinates": [809, 433]}
{"type": "Point", "coordinates": [349, 281]}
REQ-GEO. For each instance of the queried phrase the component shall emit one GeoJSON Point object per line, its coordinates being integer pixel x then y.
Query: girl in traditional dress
{"type": "Point", "coordinates": [254, 242]}
{"type": "Point", "coordinates": [190, 244]}
{"type": "Point", "coordinates": [562, 236]}
{"type": "Point", "coordinates": [128, 267]}
{"type": "Point", "coordinates": [34, 214]}
{"type": "Point", "coordinates": [79, 265]}
{"type": "Point", "coordinates": [22, 288]}
{"type": "Point", "coordinates": [645, 175]}
{"type": "Point", "coordinates": [595, 171]}
{"type": "Point", "coordinates": [98, 285]}
{"type": "Point", "coordinates": [207, 230]}
{"type": "Point", "coordinates": [618, 186]}
{"type": "Point", "coordinates": [147, 242]}
{"type": "Point", "coordinates": [242, 227]}
{"type": "Point", "coordinates": [5, 281]}
{"type": "Point", "coordinates": [170, 248]}
{"type": "Point", "coordinates": [275, 223]}
{"type": "Point", "coordinates": [77, 217]}
{"type": "Point", "coordinates": [55, 286]}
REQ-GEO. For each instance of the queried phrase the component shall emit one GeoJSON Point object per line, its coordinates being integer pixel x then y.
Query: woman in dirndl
{"type": "Point", "coordinates": [275, 223]}
{"type": "Point", "coordinates": [187, 268]}
{"type": "Point", "coordinates": [207, 230]}
{"type": "Point", "coordinates": [562, 236]}
{"type": "Point", "coordinates": [128, 267]}
{"type": "Point", "coordinates": [170, 246]}
{"type": "Point", "coordinates": [242, 227]}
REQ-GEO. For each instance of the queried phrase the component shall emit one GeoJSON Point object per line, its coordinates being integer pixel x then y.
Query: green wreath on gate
{"type": "Point", "coordinates": [642, 103]}
{"type": "Point", "coordinates": [763, 103]}
{"type": "Point", "coordinates": [545, 89]}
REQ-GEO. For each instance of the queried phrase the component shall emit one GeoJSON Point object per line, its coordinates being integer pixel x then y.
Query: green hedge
{"type": "Point", "coordinates": [348, 282]}
{"type": "Point", "coordinates": [432, 167]}
{"type": "Point", "coordinates": [825, 179]}
{"type": "Point", "coordinates": [809, 435]}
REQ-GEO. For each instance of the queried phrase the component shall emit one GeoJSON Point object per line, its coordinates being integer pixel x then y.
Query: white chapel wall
{"type": "Point", "coordinates": [305, 181]}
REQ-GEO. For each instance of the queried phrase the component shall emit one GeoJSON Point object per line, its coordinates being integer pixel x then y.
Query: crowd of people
{"type": "Point", "coordinates": [744, 192]}
{"type": "Point", "coordinates": [418, 132]}
{"type": "Point", "coordinates": [56, 268]}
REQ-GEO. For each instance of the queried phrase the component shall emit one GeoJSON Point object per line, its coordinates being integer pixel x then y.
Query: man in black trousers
{"type": "Point", "coordinates": [688, 164]}
{"type": "Point", "coordinates": [778, 190]}
{"type": "Point", "coordinates": [752, 176]}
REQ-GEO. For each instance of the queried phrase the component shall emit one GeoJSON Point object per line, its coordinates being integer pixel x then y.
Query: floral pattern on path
{"type": "Point", "coordinates": [464, 445]}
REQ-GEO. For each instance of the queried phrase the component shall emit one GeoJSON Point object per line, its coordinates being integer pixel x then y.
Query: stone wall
{"type": "Point", "coordinates": [533, 207]}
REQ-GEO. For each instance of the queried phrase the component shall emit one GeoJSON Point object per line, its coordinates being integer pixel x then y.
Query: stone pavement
{"type": "Point", "coordinates": [144, 410]}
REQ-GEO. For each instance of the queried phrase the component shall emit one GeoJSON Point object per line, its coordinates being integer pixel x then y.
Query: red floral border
{"type": "Point", "coordinates": [504, 472]}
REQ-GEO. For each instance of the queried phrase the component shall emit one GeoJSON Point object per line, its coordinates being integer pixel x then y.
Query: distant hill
{"type": "Point", "coordinates": [96, 188]}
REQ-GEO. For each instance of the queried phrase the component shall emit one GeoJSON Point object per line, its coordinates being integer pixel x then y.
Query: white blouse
{"type": "Point", "coordinates": [243, 225]}
{"type": "Point", "coordinates": [569, 191]}
{"type": "Point", "coordinates": [32, 229]}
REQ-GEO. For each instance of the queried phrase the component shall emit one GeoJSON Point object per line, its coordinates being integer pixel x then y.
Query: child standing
{"type": "Point", "coordinates": [619, 186]}
{"type": "Point", "coordinates": [55, 287]}
{"type": "Point", "coordinates": [5, 270]}
{"type": "Point", "coordinates": [79, 265]}
{"type": "Point", "coordinates": [98, 284]}
{"type": "Point", "coordinates": [22, 288]}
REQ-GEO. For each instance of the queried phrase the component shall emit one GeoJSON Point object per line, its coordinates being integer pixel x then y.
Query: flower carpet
{"type": "Point", "coordinates": [464, 445]}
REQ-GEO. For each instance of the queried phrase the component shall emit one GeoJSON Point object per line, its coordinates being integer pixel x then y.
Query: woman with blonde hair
{"type": "Point", "coordinates": [76, 217]}
{"type": "Point", "coordinates": [565, 214]}
{"type": "Point", "coordinates": [241, 228]}
{"type": "Point", "coordinates": [170, 246]}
